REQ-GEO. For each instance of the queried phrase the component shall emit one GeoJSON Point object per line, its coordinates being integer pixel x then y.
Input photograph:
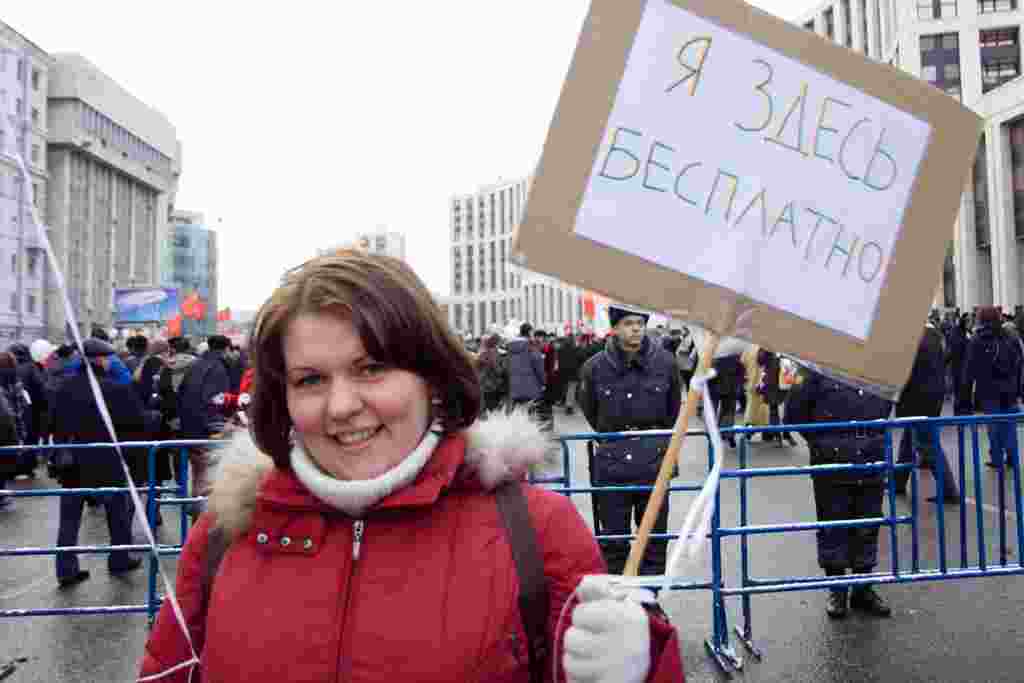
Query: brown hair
{"type": "Point", "coordinates": [989, 314]}
{"type": "Point", "coordinates": [397, 321]}
{"type": "Point", "coordinates": [7, 361]}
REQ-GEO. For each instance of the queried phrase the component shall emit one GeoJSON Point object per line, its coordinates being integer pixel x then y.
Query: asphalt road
{"type": "Point", "coordinates": [963, 630]}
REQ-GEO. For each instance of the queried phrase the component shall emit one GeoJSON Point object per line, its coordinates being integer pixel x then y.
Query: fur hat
{"type": "Point", "coordinates": [617, 313]}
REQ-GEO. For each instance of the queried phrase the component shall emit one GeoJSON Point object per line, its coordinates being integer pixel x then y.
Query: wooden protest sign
{"type": "Point", "coordinates": [707, 157]}
{"type": "Point", "coordinates": [710, 160]}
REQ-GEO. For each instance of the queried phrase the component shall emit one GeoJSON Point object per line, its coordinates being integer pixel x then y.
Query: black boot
{"type": "Point", "coordinates": [836, 605]}
{"type": "Point", "coordinates": [865, 599]}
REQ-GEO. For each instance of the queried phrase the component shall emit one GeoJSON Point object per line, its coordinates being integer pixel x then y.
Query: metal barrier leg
{"type": "Point", "coordinates": [979, 508]}
{"type": "Point", "coordinates": [746, 633]}
{"type": "Point", "coordinates": [718, 648]}
{"type": "Point", "coordinates": [151, 508]}
{"type": "Point", "coordinates": [962, 464]}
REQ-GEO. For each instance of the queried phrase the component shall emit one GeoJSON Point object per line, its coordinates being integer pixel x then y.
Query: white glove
{"type": "Point", "coordinates": [609, 640]}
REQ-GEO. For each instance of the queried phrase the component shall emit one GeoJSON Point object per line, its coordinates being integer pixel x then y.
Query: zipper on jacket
{"type": "Point", "coordinates": [345, 671]}
{"type": "Point", "coordinates": [357, 538]}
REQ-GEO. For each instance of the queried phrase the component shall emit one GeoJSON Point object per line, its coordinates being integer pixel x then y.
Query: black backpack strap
{"type": "Point", "coordinates": [534, 601]}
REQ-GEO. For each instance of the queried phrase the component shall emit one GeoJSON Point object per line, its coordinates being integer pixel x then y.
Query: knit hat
{"type": "Point", "coordinates": [95, 348]}
{"type": "Point", "coordinates": [41, 349]}
{"type": "Point", "coordinates": [617, 313]}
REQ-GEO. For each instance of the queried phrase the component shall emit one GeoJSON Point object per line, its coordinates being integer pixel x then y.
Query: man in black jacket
{"type": "Point", "coordinates": [846, 495]}
{"type": "Point", "coordinates": [631, 385]}
{"type": "Point", "coordinates": [77, 419]}
{"type": "Point", "coordinates": [992, 377]}
{"type": "Point", "coordinates": [923, 396]}
{"type": "Point", "coordinates": [201, 416]}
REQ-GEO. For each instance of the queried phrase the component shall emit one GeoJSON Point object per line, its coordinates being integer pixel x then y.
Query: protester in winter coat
{"type": "Point", "coordinates": [137, 346]}
{"type": "Point", "coordinates": [568, 372]}
{"type": "Point", "coordinates": [9, 464]}
{"type": "Point", "coordinates": [78, 420]}
{"type": "Point", "coordinates": [992, 376]}
{"type": "Point", "coordinates": [525, 369]}
{"type": "Point", "coordinates": [727, 388]}
{"type": "Point", "coordinates": [366, 497]}
{"type": "Point", "coordinates": [772, 393]}
{"type": "Point", "coordinates": [148, 372]}
{"type": "Point", "coordinates": [956, 351]}
{"type": "Point", "coordinates": [492, 368]}
{"type": "Point", "coordinates": [923, 396]}
{"type": "Point", "coordinates": [201, 415]}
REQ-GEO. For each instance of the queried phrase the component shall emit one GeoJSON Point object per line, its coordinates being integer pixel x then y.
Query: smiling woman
{"type": "Point", "coordinates": [366, 522]}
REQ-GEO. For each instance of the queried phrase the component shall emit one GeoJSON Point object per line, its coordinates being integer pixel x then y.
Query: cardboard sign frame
{"type": "Point", "coordinates": [546, 242]}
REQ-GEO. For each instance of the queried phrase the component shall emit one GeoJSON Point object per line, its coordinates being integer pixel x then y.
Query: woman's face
{"type": "Point", "coordinates": [356, 417]}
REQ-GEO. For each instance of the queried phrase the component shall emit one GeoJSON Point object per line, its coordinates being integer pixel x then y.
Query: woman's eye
{"type": "Point", "coordinates": [308, 381]}
{"type": "Point", "coordinates": [372, 369]}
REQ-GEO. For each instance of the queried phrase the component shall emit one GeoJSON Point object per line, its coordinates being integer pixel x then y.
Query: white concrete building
{"type": "Point", "coordinates": [24, 76]}
{"type": "Point", "coordinates": [971, 50]}
{"type": "Point", "coordinates": [114, 164]}
{"type": "Point", "coordinates": [487, 289]}
{"type": "Point", "coordinates": [379, 241]}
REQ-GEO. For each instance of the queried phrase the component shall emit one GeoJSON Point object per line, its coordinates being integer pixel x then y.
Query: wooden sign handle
{"type": "Point", "coordinates": [668, 463]}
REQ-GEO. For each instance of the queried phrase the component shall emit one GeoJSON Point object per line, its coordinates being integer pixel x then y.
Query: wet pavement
{"type": "Point", "coordinates": [963, 630]}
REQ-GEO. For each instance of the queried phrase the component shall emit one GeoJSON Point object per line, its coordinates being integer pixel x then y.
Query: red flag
{"type": "Point", "coordinates": [224, 315]}
{"type": "Point", "coordinates": [174, 326]}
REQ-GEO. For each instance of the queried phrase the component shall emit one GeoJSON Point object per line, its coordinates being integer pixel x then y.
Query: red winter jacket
{"type": "Point", "coordinates": [428, 594]}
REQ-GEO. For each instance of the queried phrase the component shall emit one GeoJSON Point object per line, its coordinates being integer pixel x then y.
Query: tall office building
{"type": "Point", "coordinates": [969, 49]}
{"type": "Point", "coordinates": [189, 263]}
{"type": "Point", "coordinates": [487, 288]}
{"type": "Point", "coordinates": [24, 76]}
{"type": "Point", "coordinates": [114, 164]}
{"type": "Point", "coordinates": [379, 241]}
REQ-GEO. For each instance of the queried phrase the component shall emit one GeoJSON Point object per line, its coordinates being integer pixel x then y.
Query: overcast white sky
{"type": "Point", "coordinates": [308, 122]}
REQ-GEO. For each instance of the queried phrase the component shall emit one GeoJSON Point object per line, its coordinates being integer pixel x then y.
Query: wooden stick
{"type": "Point", "coordinates": [668, 463]}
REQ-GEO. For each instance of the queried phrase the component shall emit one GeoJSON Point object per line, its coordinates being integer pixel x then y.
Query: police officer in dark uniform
{"type": "Point", "coordinates": [849, 495]}
{"type": "Point", "coordinates": [631, 385]}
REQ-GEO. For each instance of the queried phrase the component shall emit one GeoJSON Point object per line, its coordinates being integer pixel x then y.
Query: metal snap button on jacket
{"type": "Point", "coordinates": [262, 538]}
{"type": "Point", "coordinates": [308, 544]}
{"type": "Point", "coordinates": [286, 541]}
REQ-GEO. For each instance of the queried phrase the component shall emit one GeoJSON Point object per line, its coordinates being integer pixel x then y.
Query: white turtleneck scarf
{"type": "Point", "coordinates": [355, 497]}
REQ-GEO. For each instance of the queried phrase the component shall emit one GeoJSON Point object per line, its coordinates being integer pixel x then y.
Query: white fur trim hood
{"type": "Point", "coordinates": [499, 449]}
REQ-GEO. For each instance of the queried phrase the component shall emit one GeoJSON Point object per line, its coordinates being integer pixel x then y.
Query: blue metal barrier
{"type": "Point", "coordinates": [149, 490]}
{"type": "Point", "coordinates": [718, 645]}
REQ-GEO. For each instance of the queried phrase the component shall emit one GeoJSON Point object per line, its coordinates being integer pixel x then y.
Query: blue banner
{"type": "Point", "coordinates": [145, 305]}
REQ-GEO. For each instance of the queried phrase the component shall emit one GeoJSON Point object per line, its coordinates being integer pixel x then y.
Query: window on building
{"type": "Point", "coordinates": [30, 303]}
{"type": "Point", "coordinates": [36, 76]}
{"type": "Point", "coordinates": [864, 26]}
{"type": "Point", "coordinates": [830, 23]}
{"type": "Point", "coordinates": [470, 326]}
{"type": "Point", "coordinates": [1017, 162]}
{"type": "Point", "coordinates": [483, 315]}
{"type": "Point", "coordinates": [981, 222]}
{"type": "Point", "coordinates": [458, 316]}
{"type": "Point", "coordinates": [14, 262]}
{"type": "Point", "coordinates": [990, 6]}
{"type": "Point", "coordinates": [936, 9]}
{"type": "Point", "coordinates": [847, 23]}
{"type": "Point", "coordinates": [35, 116]}
{"type": "Point", "coordinates": [940, 62]}
{"type": "Point", "coordinates": [504, 312]}
{"type": "Point", "coordinates": [21, 71]}
{"type": "Point", "coordinates": [1000, 56]}
{"type": "Point", "coordinates": [494, 313]}
{"type": "Point", "coordinates": [35, 154]}
{"type": "Point", "coordinates": [14, 301]}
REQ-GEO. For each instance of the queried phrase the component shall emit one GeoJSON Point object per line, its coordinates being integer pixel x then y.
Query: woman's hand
{"type": "Point", "coordinates": [609, 640]}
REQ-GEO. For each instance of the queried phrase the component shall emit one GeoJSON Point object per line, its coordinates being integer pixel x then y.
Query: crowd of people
{"type": "Point", "coordinates": [152, 389]}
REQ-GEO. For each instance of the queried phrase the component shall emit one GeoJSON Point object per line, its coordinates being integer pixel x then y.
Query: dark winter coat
{"type": "Point", "coordinates": [207, 377]}
{"type": "Point", "coordinates": [821, 399]}
{"type": "Point", "coordinates": [624, 394]}
{"type": "Point", "coordinates": [431, 594]}
{"type": "Point", "coordinates": [171, 377]}
{"type": "Point", "coordinates": [769, 389]}
{"type": "Point", "coordinates": [980, 375]}
{"type": "Point", "coordinates": [8, 437]}
{"type": "Point", "coordinates": [145, 379]}
{"type": "Point", "coordinates": [925, 390]}
{"type": "Point", "coordinates": [730, 377]}
{"type": "Point", "coordinates": [14, 393]}
{"type": "Point", "coordinates": [569, 361]}
{"type": "Point", "coordinates": [77, 420]}
{"type": "Point", "coordinates": [525, 371]}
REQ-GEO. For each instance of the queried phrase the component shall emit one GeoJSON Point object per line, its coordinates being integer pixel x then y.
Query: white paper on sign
{"type": "Point", "coordinates": [730, 162]}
